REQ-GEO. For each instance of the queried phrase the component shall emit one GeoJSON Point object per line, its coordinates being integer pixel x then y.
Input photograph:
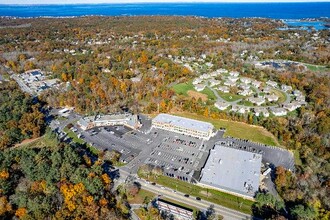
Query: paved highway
{"type": "Point", "coordinates": [202, 204]}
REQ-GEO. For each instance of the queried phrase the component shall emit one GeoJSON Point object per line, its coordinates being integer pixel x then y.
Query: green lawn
{"type": "Point", "coordinates": [246, 103]}
{"type": "Point", "coordinates": [229, 96]}
{"type": "Point", "coordinates": [139, 198]}
{"type": "Point", "coordinates": [297, 159]}
{"type": "Point", "coordinates": [215, 196]}
{"type": "Point", "coordinates": [75, 139]}
{"type": "Point", "coordinates": [210, 94]}
{"type": "Point", "coordinates": [237, 129]}
{"type": "Point", "coordinates": [280, 94]}
{"type": "Point", "coordinates": [183, 88]}
{"type": "Point", "coordinates": [317, 68]}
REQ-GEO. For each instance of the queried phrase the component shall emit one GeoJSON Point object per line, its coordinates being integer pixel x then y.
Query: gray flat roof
{"type": "Point", "coordinates": [184, 122]}
{"type": "Point", "coordinates": [233, 170]}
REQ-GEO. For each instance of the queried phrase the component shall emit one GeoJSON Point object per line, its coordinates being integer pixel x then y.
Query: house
{"type": "Point", "coordinates": [271, 98]}
{"type": "Point", "coordinates": [266, 90]}
{"type": "Point", "coordinates": [232, 78]}
{"type": "Point", "coordinates": [286, 88]}
{"type": "Point", "coordinates": [258, 111]}
{"type": "Point", "coordinates": [200, 87]}
{"type": "Point", "coordinates": [214, 82]}
{"type": "Point", "coordinates": [222, 71]}
{"type": "Point", "coordinates": [243, 109]}
{"type": "Point", "coordinates": [221, 105]}
{"type": "Point", "coordinates": [256, 83]}
{"type": "Point", "coordinates": [292, 106]}
{"type": "Point", "coordinates": [271, 83]}
{"type": "Point", "coordinates": [245, 80]}
{"type": "Point", "coordinates": [205, 76]}
{"type": "Point", "coordinates": [245, 92]}
{"type": "Point", "coordinates": [197, 81]}
{"type": "Point", "coordinates": [234, 108]}
{"type": "Point", "coordinates": [234, 73]}
{"type": "Point", "coordinates": [244, 86]}
{"type": "Point", "coordinates": [229, 83]}
{"type": "Point", "coordinates": [257, 100]}
{"type": "Point", "coordinates": [296, 93]}
{"type": "Point", "coordinates": [223, 89]}
{"type": "Point", "coordinates": [279, 111]}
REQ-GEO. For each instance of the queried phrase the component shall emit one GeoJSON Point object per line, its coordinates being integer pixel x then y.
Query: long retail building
{"type": "Point", "coordinates": [186, 126]}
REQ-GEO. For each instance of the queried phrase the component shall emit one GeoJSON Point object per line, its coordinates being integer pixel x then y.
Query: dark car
{"type": "Point", "coordinates": [153, 184]}
{"type": "Point", "coordinates": [197, 198]}
{"type": "Point", "coordinates": [186, 195]}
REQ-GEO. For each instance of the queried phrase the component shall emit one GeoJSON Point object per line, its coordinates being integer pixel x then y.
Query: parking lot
{"type": "Point", "coordinates": [179, 155]}
{"type": "Point", "coordinates": [111, 138]}
{"type": "Point", "coordinates": [270, 154]}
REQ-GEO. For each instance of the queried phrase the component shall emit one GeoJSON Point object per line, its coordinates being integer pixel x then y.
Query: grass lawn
{"type": "Point", "coordinates": [281, 95]}
{"type": "Point", "coordinates": [215, 196]}
{"type": "Point", "coordinates": [238, 129]}
{"type": "Point", "coordinates": [75, 139]}
{"type": "Point", "coordinates": [317, 68]}
{"type": "Point", "coordinates": [183, 88]}
{"type": "Point", "coordinates": [297, 159]}
{"type": "Point", "coordinates": [210, 94]}
{"type": "Point", "coordinates": [139, 198]}
{"type": "Point", "coordinates": [229, 97]}
{"type": "Point", "coordinates": [246, 103]}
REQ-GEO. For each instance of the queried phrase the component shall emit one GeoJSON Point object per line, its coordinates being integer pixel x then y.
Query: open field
{"type": "Point", "coordinates": [237, 129]}
{"type": "Point", "coordinates": [183, 88]}
{"type": "Point", "coordinates": [317, 68]}
{"type": "Point", "coordinates": [75, 139]}
{"type": "Point", "coordinates": [215, 196]}
{"type": "Point", "coordinates": [281, 95]}
{"type": "Point", "coordinates": [197, 95]}
{"type": "Point", "coordinates": [210, 94]}
{"type": "Point", "coordinates": [139, 198]}
{"type": "Point", "coordinates": [229, 96]}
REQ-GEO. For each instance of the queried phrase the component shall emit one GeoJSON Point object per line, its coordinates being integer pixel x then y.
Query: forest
{"type": "Point", "coordinates": [56, 182]}
{"type": "Point", "coordinates": [20, 116]}
{"type": "Point", "coordinates": [106, 63]}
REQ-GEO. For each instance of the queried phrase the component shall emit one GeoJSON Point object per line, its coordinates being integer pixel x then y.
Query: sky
{"type": "Point", "coordinates": [137, 1]}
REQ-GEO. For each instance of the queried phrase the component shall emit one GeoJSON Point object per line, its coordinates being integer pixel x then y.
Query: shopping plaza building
{"type": "Point", "coordinates": [186, 126]}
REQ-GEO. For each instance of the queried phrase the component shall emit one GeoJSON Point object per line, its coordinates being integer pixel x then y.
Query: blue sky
{"type": "Point", "coordinates": [135, 1]}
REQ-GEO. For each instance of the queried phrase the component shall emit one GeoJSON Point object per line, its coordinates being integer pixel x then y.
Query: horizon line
{"type": "Point", "coordinates": [170, 1]}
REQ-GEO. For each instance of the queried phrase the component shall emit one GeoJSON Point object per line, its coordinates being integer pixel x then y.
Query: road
{"type": "Point", "coordinates": [202, 204]}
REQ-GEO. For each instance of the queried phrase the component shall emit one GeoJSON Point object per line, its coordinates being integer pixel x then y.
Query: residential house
{"type": "Point", "coordinates": [257, 100]}
{"type": "Point", "coordinates": [272, 83]}
{"type": "Point", "coordinates": [259, 111]}
{"type": "Point", "coordinates": [223, 89]}
{"type": "Point", "coordinates": [200, 87]}
{"type": "Point", "coordinates": [214, 82]}
{"type": "Point", "coordinates": [286, 88]}
{"type": "Point", "coordinates": [271, 98]}
{"type": "Point", "coordinates": [221, 105]}
{"type": "Point", "coordinates": [279, 111]}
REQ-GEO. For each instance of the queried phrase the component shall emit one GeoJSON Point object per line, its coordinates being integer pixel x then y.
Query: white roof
{"type": "Point", "coordinates": [183, 122]}
{"type": "Point", "coordinates": [219, 172]}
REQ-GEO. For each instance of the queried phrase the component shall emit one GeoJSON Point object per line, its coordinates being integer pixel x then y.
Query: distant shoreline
{"type": "Point", "coordinates": [271, 10]}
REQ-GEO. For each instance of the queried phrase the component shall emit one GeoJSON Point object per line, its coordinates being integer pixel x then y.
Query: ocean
{"type": "Point", "coordinates": [233, 10]}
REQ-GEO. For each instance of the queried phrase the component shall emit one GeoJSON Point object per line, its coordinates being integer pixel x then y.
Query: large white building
{"type": "Point", "coordinates": [232, 170]}
{"type": "Point", "coordinates": [128, 120]}
{"type": "Point", "coordinates": [186, 126]}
